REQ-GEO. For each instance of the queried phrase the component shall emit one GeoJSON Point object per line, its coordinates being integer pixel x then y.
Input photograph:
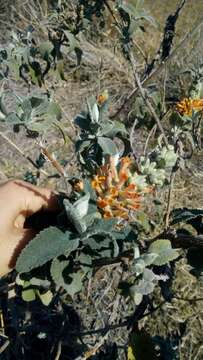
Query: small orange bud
{"type": "Point", "coordinates": [78, 186]}
{"type": "Point", "coordinates": [102, 98]}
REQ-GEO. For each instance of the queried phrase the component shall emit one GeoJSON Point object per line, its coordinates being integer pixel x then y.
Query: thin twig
{"type": "Point", "coordinates": [112, 15]}
{"type": "Point", "coordinates": [4, 346]}
{"type": "Point", "coordinates": [58, 354]}
{"type": "Point", "coordinates": [189, 300]}
{"type": "Point", "coordinates": [91, 352]}
{"type": "Point", "coordinates": [132, 144]}
{"type": "Point", "coordinates": [168, 208]}
{"type": "Point", "coordinates": [151, 133]}
{"type": "Point", "coordinates": [21, 152]}
{"type": "Point", "coordinates": [145, 97]}
{"type": "Point", "coordinates": [140, 50]}
{"type": "Point", "coordinates": [164, 90]}
{"type": "Point", "coordinates": [53, 161]}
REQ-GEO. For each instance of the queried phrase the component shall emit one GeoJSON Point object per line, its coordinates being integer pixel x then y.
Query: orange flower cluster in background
{"type": "Point", "coordinates": [116, 195]}
{"type": "Point", "coordinates": [186, 106]}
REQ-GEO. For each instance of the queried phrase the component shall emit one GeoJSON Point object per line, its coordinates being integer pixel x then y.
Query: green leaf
{"type": "Point", "coordinates": [46, 297]}
{"type": "Point", "coordinates": [111, 129]}
{"type": "Point", "coordinates": [45, 48]}
{"type": "Point", "coordinates": [102, 226]}
{"type": "Point", "coordinates": [56, 271]}
{"type": "Point", "coordinates": [27, 110]}
{"type": "Point", "coordinates": [60, 277]}
{"type": "Point", "coordinates": [81, 205]}
{"type": "Point", "coordinates": [105, 128]}
{"type": "Point", "coordinates": [13, 118]}
{"type": "Point", "coordinates": [41, 126]}
{"type": "Point", "coordinates": [144, 287]}
{"type": "Point", "coordinates": [85, 263]}
{"type": "Point", "coordinates": [195, 259]}
{"type": "Point", "coordinates": [90, 218]}
{"type": "Point", "coordinates": [47, 109]}
{"type": "Point", "coordinates": [95, 113]}
{"type": "Point", "coordinates": [82, 121]}
{"type": "Point", "coordinates": [28, 295]}
{"type": "Point", "coordinates": [75, 285]}
{"type": "Point", "coordinates": [141, 347]}
{"type": "Point", "coordinates": [143, 220]}
{"type": "Point", "coordinates": [74, 216]}
{"type": "Point", "coordinates": [184, 215]}
{"type": "Point", "coordinates": [49, 243]}
{"type": "Point", "coordinates": [89, 189]}
{"type": "Point", "coordinates": [39, 282]}
{"type": "Point", "coordinates": [148, 275]}
{"type": "Point", "coordinates": [139, 266]}
{"type": "Point", "coordinates": [107, 145]}
{"type": "Point", "coordinates": [149, 258]}
{"type": "Point", "coordinates": [54, 110]}
{"type": "Point", "coordinates": [92, 243]}
{"type": "Point", "coordinates": [137, 297]}
{"type": "Point", "coordinates": [72, 42]}
{"type": "Point", "coordinates": [164, 251]}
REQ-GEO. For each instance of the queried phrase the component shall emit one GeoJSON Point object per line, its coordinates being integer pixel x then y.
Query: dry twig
{"type": "Point", "coordinates": [145, 97]}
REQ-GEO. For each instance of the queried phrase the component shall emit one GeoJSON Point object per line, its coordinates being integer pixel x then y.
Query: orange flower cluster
{"type": "Point", "coordinates": [186, 106]}
{"type": "Point", "coordinates": [117, 197]}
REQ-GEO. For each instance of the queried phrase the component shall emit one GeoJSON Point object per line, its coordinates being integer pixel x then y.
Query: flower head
{"type": "Point", "coordinates": [117, 194]}
{"type": "Point", "coordinates": [187, 106]}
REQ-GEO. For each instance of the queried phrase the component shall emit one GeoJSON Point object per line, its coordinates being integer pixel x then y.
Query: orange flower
{"type": "Point", "coordinates": [114, 192]}
{"type": "Point", "coordinates": [116, 196]}
{"type": "Point", "coordinates": [102, 98]}
{"type": "Point", "coordinates": [121, 213]}
{"type": "Point", "coordinates": [124, 173]}
{"type": "Point", "coordinates": [186, 106]}
{"type": "Point", "coordinates": [107, 214]}
{"type": "Point", "coordinates": [102, 203]}
{"type": "Point", "coordinates": [97, 183]}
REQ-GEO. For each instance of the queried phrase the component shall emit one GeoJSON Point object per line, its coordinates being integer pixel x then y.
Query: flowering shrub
{"type": "Point", "coordinates": [105, 218]}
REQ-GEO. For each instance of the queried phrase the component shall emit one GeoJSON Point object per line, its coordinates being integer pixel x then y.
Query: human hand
{"type": "Point", "coordinates": [18, 201]}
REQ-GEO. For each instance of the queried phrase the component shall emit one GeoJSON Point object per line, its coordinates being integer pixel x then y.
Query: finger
{"type": "Point", "coordinates": [20, 199]}
{"type": "Point", "coordinates": [36, 198]}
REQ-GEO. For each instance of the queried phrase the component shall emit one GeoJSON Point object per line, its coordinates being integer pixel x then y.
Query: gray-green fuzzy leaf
{"type": "Point", "coordinates": [48, 244]}
{"type": "Point", "coordinates": [164, 251]}
{"type": "Point", "coordinates": [107, 145]}
{"type": "Point", "coordinates": [184, 215]}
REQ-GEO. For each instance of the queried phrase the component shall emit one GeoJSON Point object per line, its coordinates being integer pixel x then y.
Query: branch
{"type": "Point", "coordinates": [159, 68]}
{"type": "Point", "coordinates": [171, 183]}
{"type": "Point", "coordinates": [145, 97]}
{"type": "Point", "coordinates": [189, 300]}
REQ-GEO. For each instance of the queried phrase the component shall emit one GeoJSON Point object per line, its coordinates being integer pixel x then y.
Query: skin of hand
{"type": "Point", "coordinates": [18, 201]}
